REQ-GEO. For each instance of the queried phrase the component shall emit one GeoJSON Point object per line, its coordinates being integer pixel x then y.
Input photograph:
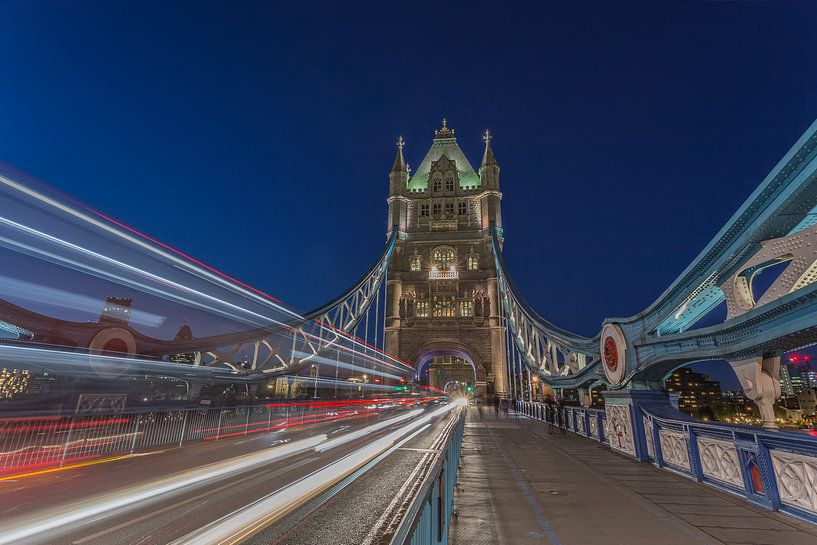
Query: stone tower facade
{"type": "Point", "coordinates": [442, 283]}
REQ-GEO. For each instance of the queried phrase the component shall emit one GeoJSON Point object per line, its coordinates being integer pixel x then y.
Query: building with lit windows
{"type": "Point", "coordinates": [443, 312]}
{"type": "Point", "coordinates": [695, 390]}
{"type": "Point", "coordinates": [14, 383]}
{"type": "Point", "coordinates": [786, 387]}
{"type": "Point", "coordinates": [793, 379]}
{"type": "Point", "coordinates": [116, 311]}
{"type": "Point", "coordinates": [807, 399]}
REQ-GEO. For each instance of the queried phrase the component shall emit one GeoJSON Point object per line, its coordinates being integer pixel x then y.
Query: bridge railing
{"type": "Point", "coordinates": [774, 469]}
{"type": "Point", "coordinates": [38, 442]}
{"type": "Point", "coordinates": [427, 521]}
{"type": "Point", "coordinates": [583, 421]}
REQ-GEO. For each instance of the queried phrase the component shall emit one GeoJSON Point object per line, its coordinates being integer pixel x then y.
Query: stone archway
{"type": "Point", "coordinates": [469, 369]}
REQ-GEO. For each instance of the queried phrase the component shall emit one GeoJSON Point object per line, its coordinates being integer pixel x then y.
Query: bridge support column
{"type": "Point", "coordinates": [760, 379]}
{"type": "Point", "coordinates": [626, 420]}
{"type": "Point", "coordinates": [584, 397]}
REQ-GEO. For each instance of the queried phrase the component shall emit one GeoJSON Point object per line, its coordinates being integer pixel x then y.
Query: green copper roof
{"type": "Point", "coordinates": [449, 148]}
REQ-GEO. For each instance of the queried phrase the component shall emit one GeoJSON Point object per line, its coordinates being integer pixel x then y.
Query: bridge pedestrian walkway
{"type": "Point", "coordinates": [518, 486]}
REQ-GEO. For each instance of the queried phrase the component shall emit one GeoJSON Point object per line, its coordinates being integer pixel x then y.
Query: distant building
{"type": "Point", "coordinates": [116, 311]}
{"type": "Point", "coordinates": [793, 416]}
{"type": "Point", "coordinates": [184, 334]}
{"type": "Point", "coordinates": [695, 390]}
{"type": "Point", "coordinates": [13, 383]}
{"type": "Point", "coordinates": [808, 402]}
{"type": "Point", "coordinates": [786, 386]}
{"type": "Point", "coordinates": [795, 378]}
{"type": "Point", "coordinates": [811, 378]}
{"type": "Point", "coordinates": [799, 381]}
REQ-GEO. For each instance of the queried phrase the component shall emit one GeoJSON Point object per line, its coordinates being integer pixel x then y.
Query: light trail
{"type": "Point", "coordinates": [244, 522]}
{"type": "Point", "coordinates": [66, 249]}
{"type": "Point", "coordinates": [39, 293]}
{"type": "Point", "coordinates": [182, 262]}
{"type": "Point", "coordinates": [39, 525]}
{"type": "Point", "coordinates": [263, 320]}
{"type": "Point", "coordinates": [349, 366]}
{"type": "Point", "coordinates": [12, 532]}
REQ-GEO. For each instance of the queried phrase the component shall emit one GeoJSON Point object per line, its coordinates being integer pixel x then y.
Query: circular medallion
{"type": "Point", "coordinates": [110, 352]}
{"type": "Point", "coordinates": [614, 353]}
{"type": "Point", "coordinates": [610, 354]}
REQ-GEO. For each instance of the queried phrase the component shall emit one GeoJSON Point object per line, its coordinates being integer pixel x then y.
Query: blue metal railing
{"type": "Point", "coordinates": [428, 518]}
{"type": "Point", "coordinates": [773, 469]}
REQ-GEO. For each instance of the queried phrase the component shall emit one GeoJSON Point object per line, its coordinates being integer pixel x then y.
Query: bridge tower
{"type": "Point", "coordinates": [443, 312]}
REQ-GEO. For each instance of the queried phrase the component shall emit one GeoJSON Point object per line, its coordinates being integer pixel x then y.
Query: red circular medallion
{"type": "Point", "coordinates": [610, 354]}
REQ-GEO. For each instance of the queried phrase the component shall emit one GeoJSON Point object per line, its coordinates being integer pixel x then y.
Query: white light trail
{"type": "Point", "coordinates": [240, 524]}
{"type": "Point", "coordinates": [41, 525]}
{"type": "Point", "coordinates": [262, 319]}
{"type": "Point", "coordinates": [343, 365]}
{"type": "Point", "coordinates": [14, 531]}
{"type": "Point", "coordinates": [214, 278]}
{"type": "Point", "coordinates": [45, 295]}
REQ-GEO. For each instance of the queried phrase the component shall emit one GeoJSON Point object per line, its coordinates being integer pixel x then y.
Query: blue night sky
{"type": "Point", "coordinates": [258, 137]}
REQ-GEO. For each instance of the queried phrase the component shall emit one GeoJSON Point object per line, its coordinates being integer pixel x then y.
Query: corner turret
{"type": "Point", "coordinates": [398, 180]}
{"type": "Point", "coordinates": [489, 178]}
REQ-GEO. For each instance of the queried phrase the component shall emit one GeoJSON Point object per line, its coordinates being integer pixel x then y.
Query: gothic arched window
{"type": "Point", "coordinates": [449, 184]}
{"type": "Point", "coordinates": [443, 257]}
{"type": "Point", "coordinates": [438, 184]}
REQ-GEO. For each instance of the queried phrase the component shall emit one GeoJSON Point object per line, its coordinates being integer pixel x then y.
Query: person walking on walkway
{"type": "Point", "coordinates": [550, 414]}
{"type": "Point", "coordinates": [495, 401]}
{"type": "Point", "coordinates": [560, 410]}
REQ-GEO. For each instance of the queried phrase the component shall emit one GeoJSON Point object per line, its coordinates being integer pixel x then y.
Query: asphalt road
{"type": "Point", "coordinates": [277, 487]}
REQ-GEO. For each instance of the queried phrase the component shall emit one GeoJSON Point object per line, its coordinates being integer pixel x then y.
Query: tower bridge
{"type": "Point", "coordinates": [340, 405]}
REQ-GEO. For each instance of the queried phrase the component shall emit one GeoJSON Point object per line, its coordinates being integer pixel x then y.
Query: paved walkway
{"type": "Point", "coordinates": [518, 485]}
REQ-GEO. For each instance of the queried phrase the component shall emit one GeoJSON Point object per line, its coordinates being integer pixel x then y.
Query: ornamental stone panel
{"type": "Point", "coordinates": [674, 448]}
{"type": "Point", "coordinates": [719, 461]}
{"type": "Point", "coordinates": [796, 477]}
{"type": "Point", "coordinates": [620, 428]}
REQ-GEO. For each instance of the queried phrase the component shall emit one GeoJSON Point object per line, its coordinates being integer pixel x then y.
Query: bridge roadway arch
{"type": "Point", "coordinates": [471, 368]}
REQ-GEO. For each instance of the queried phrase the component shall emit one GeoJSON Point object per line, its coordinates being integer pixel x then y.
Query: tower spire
{"type": "Point", "coordinates": [399, 162]}
{"type": "Point", "coordinates": [444, 132]}
{"type": "Point", "coordinates": [488, 158]}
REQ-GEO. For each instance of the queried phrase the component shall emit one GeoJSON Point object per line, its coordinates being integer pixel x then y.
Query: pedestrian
{"type": "Point", "coordinates": [496, 405]}
{"type": "Point", "coordinates": [550, 414]}
{"type": "Point", "coordinates": [560, 406]}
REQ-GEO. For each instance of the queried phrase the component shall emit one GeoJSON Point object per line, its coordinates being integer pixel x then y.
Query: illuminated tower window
{"type": "Point", "coordinates": [449, 184]}
{"type": "Point", "coordinates": [437, 184]}
{"type": "Point", "coordinates": [416, 263]}
{"type": "Point", "coordinates": [466, 308]}
{"type": "Point", "coordinates": [443, 264]}
{"type": "Point", "coordinates": [443, 257]}
{"type": "Point", "coordinates": [443, 307]}
{"type": "Point", "coordinates": [422, 309]}
{"type": "Point", "coordinates": [473, 262]}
